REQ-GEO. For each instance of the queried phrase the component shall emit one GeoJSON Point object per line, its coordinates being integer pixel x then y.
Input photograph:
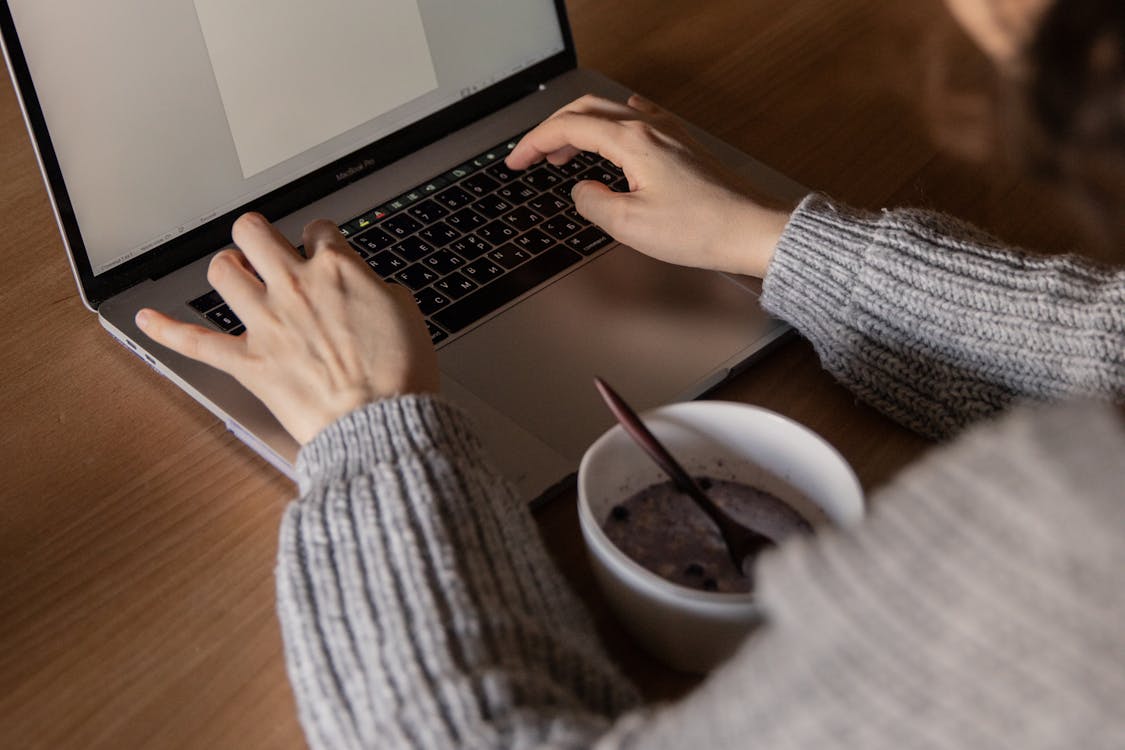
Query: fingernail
{"type": "Point", "coordinates": [142, 319]}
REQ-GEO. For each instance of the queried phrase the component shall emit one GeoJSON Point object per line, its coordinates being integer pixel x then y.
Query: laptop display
{"type": "Point", "coordinates": [166, 116]}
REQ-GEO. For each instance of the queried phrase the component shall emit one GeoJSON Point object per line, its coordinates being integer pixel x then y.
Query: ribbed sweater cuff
{"type": "Point", "coordinates": [816, 263]}
{"type": "Point", "coordinates": [385, 432]}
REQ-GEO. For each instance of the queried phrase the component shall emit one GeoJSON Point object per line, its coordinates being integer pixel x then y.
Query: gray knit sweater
{"type": "Point", "coordinates": [982, 604]}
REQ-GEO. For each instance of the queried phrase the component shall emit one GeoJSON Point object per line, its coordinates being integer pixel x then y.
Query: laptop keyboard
{"type": "Point", "coordinates": [471, 240]}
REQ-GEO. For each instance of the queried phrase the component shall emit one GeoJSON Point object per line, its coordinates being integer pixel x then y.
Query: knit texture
{"type": "Point", "coordinates": [935, 324]}
{"type": "Point", "coordinates": [981, 605]}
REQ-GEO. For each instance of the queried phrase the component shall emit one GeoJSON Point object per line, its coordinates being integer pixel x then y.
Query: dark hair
{"type": "Point", "coordinates": [1074, 100]}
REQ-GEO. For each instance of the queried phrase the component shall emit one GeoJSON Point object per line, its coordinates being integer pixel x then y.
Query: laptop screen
{"type": "Point", "coordinates": [166, 115]}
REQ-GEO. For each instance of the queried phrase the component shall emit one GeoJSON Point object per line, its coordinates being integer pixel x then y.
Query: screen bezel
{"type": "Point", "coordinates": [205, 239]}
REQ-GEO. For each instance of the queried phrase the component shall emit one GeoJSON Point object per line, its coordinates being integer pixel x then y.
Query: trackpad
{"type": "Point", "coordinates": [652, 330]}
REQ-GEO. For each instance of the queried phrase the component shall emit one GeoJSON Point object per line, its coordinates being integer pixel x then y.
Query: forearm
{"type": "Point", "coordinates": [932, 323]}
{"type": "Point", "coordinates": [417, 603]}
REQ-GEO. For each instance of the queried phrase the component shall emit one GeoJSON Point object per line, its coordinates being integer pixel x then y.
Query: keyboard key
{"type": "Point", "coordinates": [460, 172]}
{"type": "Point", "coordinates": [466, 220]}
{"type": "Point", "coordinates": [436, 334]}
{"type": "Point", "coordinates": [492, 206]}
{"type": "Point", "coordinates": [621, 186]}
{"type": "Point", "coordinates": [589, 241]}
{"type": "Point", "coordinates": [433, 186]}
{"type": "Point", "coordinates": [483, 271]}
{"type": "Point", "coordinates": [400, 226]}
{"type": "Point", "coordinates": [542, 179]}
{"type": "Point", "coordinates": [414, 248]}
{"type": "Point", "coordinates": [386, 263]}
{"type": "Point", "coordinates": [374, 240]}
{"type": "Point", "coordinates": [560, 227]}
{"type": "Point", "coordinates": [439, 234]}
{"type": "Point", "coordinates": [415, 277]}
{"type": "Point", "coordinates": [454, 198]}
{"type": "Point", "coordinates": [572, 168]}
{"type": "Point", "coordinates": [430, 301]}
{"type": "Point", "coordinates": [564, 189]}
{"type": "Point", "coordinates": [428, 212]}
{"type": "Point", "coordinates": [522, 218]}
{"type": "Point", "coordinates": [497, 232]}
{"type": "Point", "coordinates": [501, 173]}
{"type": "Point", "coordinates": [534, 241]}
{"type": "Point", "coordinates": [517, 192]}
{"type": "Point", "coordinates": [547, 205]}
{"type": "Point", "coordinates": [224, 318]}
{"type": "Point", "coordinates": [604, 176]}
{"type": "Point", "coordinates": [474, 306]}
{"type": "Point", "coordinates": [455, 285]}
{"type": "Point", "coordinates": [237, 330]}
{"type": "Point", "coordinates": [470, 247]}
{"type": "Point", "coordinates": [480, 184]}
{"type": "Point", "coordinates": [207, 302]}
{"type": "Point", "coordinates": [509, 255]}
{"type": "Point", "coordinates": [443, 262]}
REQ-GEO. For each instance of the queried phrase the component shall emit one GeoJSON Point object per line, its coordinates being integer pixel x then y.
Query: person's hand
{"type": "Point", "coordinates": [323, 336]}
{"type": "Point", "coordinates": [682, 206]}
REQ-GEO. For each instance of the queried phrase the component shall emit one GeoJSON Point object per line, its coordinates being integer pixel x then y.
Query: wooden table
{"type": "Point", "coordinates": [137, 537]}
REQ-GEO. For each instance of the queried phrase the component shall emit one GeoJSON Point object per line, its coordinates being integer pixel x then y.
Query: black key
{"type": "Point", "coordinates": [509, 255]}
{"type": "Point", "coordinates": [414, 248]}
{"type": "Point", "coordinates": [505, 289]}
{"type": "Point", "coordinates": [542, 179]}
{"type": "Point", "coordinates": [604, 176]}
{"type": "Point", "coordinates": [386, 263]}
{"type": "Point", "coordinates": [547, 204]}
{"type": "Point", "coordinates": [470, 247]}
{"type": "Point", "coordinates": [502, 173]}
{"type": "Point", "coordinates": [588, 157]}
{"type": "Point", "coordinates": [455, 285]}
{"type": "Point", "coordinates": [436, 334]}
{"type": "Point", "coordinates": [571, 168]}
{"type": "Point", "coordinates": [517, 192]}
{"type": "Point", "coordinates": [428, 212]}
{"type": "Point", "coordinates": [497, 232]}
{"type": "Point", "coordinates": [560, 227]}
{"type": "Point", "coordinates": [522, 218]}
{"type": "Point", "coordinates": [208, 301]}
{"type": "Point", "coordinates": [466, 220]}
{"type": "Point", "coordinates": [483, 271]}
{"type": "Point", "coordinates": [366, 221]}
{"type": "Point", "coordinates": [237, 330]}
{"type": "Point", "coordinates": [492, 206]}
{"type": "Point", "coordinates": [454, 198]}
{"type": "Point", "coordinates": [480, 184]}
{"type": "Point", "coordinates": [564, 189]}
{"type": "Point", "coordinates": [577, 218]}
{"type": "Point", "coordinates": [374, 240]}
{"type": "Point", "coordinates": [400, 226]}
{"type": "Point", "coordinates": [433, 186]}
{"type": "Point", "coordinates": [534, 241]}
{"type": "Point", "coordinates": [360, 250]}
{"type": "Point", "coordinates": [224, 318]}
{"type": "Point", "coordinates": [589, 241]}
{"type": "Point", "coordinates": [430, 301]}
{"type": "Point", "coordinates": [443, 262]}
{"type": "Point", "coordinates": [439, 234]}
{"type": "Point", "coordinates": [457, 173]}
{"type": "Point", "coordinates": [416, 276]}
{"type": "Point", "coordinates": [621, 186]}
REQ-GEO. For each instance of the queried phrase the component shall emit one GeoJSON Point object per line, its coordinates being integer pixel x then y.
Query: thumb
{"type": "Point", "coordinates": [601, 205]}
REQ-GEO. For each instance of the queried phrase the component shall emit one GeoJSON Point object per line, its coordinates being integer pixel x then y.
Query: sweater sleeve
{"type": "Point", "coordinates": [418, 606]}
{"type": "Point", "coordinates": [935, 324]}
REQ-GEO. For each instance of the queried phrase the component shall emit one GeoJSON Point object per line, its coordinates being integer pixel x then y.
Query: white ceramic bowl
{"type": "Point", "coordinates": [695, 630]}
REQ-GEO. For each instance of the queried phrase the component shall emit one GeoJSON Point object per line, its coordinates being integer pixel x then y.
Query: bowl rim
{"type": "Point", "coordinates": [627, 567]}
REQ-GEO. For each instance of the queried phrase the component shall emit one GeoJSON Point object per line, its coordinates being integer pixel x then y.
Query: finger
{"type": "Point", "coordinates": [602, 206]}
{"type": "Point", "coordinates": [594, 106]}
{"type": "Point", "coordinates": [322, 234]}
{"type": "Point", "coordinates": [265, 247]}
{"type": "Point", "coordinates": [233, 278]}
{"type": "Point", "coordinates": [641, 104]}
{"type": "Point", "coordinates": [220, 350]}
{"type": "Point", "coordinates": [570, 129]}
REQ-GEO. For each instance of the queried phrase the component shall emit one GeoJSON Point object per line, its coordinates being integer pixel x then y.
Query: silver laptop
{"type": "Point", "coordinates": [157, 124]}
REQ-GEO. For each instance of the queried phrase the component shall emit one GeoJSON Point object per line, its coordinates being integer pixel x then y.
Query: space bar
{"type": "Point", "coordinates": [505, 289]}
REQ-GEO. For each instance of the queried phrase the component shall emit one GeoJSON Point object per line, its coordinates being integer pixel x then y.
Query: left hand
{"type": "Point", "coordinates": [324, 336]}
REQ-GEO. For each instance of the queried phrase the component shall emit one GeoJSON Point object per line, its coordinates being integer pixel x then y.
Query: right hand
{"type": "Point", "coordinates": [682, 207]}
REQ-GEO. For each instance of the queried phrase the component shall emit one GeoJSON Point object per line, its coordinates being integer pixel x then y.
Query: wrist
{"type": "Point", "coordinates": [759, 230]}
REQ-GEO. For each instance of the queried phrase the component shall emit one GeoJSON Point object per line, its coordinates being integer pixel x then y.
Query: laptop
{"type": "Point", "coordinates": [157, 124]}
